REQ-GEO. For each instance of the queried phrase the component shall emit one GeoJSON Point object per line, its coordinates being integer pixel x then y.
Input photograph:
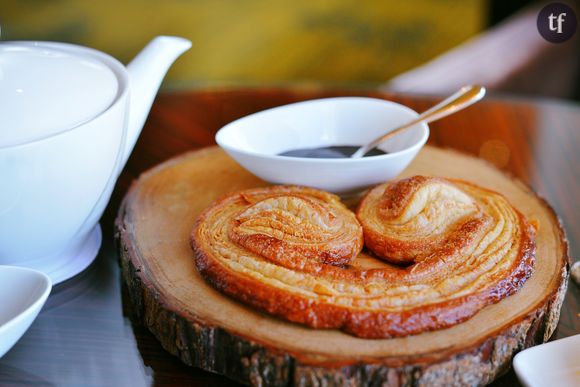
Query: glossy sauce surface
{"type": "Point", "coordinates": [330, 152]}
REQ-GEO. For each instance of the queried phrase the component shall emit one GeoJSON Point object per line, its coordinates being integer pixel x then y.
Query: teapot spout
{"type": "Point", "coordinates": [146, 71]}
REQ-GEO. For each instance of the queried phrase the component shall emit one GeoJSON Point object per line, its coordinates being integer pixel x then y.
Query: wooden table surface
{"type": "Point", "coordinates": [85, 334]}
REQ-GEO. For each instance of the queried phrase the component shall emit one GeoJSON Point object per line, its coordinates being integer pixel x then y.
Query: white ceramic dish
{"type": "Point", "coordinates": [552, 364]}
{"type": "Point", "coordinates": [256, 140]}
{"type": "Point", "coordinates": [23, 292]}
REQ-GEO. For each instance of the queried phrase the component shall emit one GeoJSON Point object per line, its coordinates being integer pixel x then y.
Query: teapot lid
{"type": "Point", "coordinates": [45, 90]}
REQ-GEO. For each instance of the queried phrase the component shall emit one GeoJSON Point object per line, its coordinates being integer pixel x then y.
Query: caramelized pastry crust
{"type": "Point", "coordinates": [287, 250]}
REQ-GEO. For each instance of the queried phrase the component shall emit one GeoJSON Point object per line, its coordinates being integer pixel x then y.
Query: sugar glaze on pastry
{"type": "Point", "coordinates": [291, 251]}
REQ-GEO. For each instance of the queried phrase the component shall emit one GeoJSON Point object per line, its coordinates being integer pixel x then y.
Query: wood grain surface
{"type": "Point", "coordinates": [209, 330]}
{"type": "Point", "coordinates": [86, 336]}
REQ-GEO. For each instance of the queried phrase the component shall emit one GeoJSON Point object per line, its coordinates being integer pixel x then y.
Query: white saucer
{"type": "Point", "coordinates": [23, 292]}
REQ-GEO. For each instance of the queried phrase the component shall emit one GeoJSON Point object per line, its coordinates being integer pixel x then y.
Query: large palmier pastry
{"type": "Point", "coordinates": [291, 252]}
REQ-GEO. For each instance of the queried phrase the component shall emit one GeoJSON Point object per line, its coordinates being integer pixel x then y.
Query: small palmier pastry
{"type": "Point", "coordinates": [290, 251]}
{"type": "Point", "coordinates": [405, 222]}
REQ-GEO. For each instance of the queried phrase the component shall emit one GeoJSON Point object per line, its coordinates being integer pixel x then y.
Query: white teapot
{"type": "Point", "coordinates": [69, 118]}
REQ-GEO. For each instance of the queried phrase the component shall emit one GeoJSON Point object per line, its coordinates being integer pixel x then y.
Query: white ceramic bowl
{"type": "Point", "coordinates": [256, 140]}
{"type": "Point", "coordinates": [23, 292]}
{"type": "Point", "coordinates": [556, 363]}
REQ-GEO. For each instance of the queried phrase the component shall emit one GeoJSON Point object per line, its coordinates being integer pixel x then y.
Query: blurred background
{"type": "Point", "coordinates": [420, 46]}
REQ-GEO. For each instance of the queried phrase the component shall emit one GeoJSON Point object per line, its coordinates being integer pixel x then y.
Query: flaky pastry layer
{"type": "Point", "coordinates": [288, 250]}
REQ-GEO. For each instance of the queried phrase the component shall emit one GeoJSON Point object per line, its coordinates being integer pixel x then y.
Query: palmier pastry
{"type": "Point", "coordinates": [289, 251]}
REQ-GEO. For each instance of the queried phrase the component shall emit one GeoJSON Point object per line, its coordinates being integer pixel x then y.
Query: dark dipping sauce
{"type": "Point", "coordinates": [330, 152]}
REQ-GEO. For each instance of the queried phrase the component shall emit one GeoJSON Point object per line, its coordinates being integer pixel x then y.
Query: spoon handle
{"type": "Point", "coordinates": [463, 98]}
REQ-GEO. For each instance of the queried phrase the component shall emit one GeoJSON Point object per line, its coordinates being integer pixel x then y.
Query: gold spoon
{"type": "Point", "coordinates": [463, 98]}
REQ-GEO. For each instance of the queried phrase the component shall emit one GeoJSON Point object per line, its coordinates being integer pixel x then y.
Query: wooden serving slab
{"type": "Point", "coordinates": [209, 330]}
